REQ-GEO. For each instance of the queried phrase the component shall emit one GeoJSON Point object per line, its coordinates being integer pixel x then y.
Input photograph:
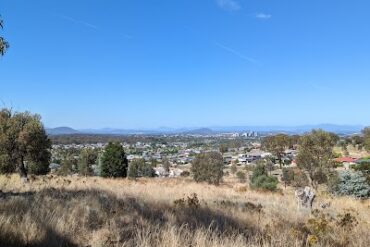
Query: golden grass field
{"type": "Point", "coordinates": [79, 211]}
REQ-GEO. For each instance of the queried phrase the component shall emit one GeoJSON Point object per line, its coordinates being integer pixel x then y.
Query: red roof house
{"type": "Point", "coordinates": [345, 160]}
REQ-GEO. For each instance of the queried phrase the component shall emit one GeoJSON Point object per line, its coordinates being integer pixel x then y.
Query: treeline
{"type": "Point", "coordinates": [102, 138]}
{"type": "Point", "coordinates": [105, 138]}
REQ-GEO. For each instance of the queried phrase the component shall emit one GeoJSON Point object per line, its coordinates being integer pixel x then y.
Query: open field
{"type": "Point", "coordinates": [78, 211]}
{"type": "Point", "coordinates": [352, 152]}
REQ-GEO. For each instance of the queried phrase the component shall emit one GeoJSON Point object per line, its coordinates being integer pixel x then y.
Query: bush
{"type": "Point", "coordinates": [86, 161]}
{"type": "Point", "coordinates": [67, 166]}
{"type": "Point", "coordinates": [6, 165]}
{"type": "Point", "coordinates": [362, 167]}
{"type": "Point", "coordinates": [258, 170]}
{"type": "Point", "coordinates": [38, 168]}
{"type": "Point", "coordinates": [261, 180]}
{"type": "Point", "coordinates": [208, 167]}
{"type": "Point", "coordinates": [294, 177]}
{"type": "Point", "coordinates": [287, 176]}
{"type": "Point", "coordinates": [241, 176]}
{"type": "Point", "coordinates": [139, 168]}
{"type": "Point", "coordinates": [264, 182]}
{"type": "Point", "coordinates": [233, 169]}
{"type": "Point", "coordinates": [114, 162]}
{"type": "Point", "coordinates": [185, 174]}
{"type": "Point", "coordinates": [348, 183]}
{"type": "Point", "coordinates": [166, 164]}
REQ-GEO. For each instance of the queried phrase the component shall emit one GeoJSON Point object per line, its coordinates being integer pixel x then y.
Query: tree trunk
{"type": "Point", "coordinates": [311, 181]}
{"type": "Point", "coordinates": [22, 172]}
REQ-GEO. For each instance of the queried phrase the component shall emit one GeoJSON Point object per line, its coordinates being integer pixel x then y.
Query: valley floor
{"type": "Point", "coordinates": [91, 211]}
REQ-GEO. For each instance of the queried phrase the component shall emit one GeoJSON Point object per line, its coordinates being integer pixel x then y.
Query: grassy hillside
{"type": "Point", "coordinates": [66, 211]}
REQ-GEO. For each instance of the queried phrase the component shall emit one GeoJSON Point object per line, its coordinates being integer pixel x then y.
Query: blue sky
{"type": "Point", "coordinates": [184, 63]}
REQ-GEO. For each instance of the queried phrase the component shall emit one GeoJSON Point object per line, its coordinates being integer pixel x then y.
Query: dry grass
{"type": "Point", "coordinates": [352, 152]}
{"type": "Point", "coordinates": [66, 211]}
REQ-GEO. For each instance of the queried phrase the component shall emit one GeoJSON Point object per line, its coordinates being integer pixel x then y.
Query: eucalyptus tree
{"type": "Point", "coordinates": [4, 45]}
{"type": "Point", "coordinates": [276, 144]}
{"type": "Point", "coordinates": [24, 144]}
{"type": "Point", "coordinates": [315, 155]}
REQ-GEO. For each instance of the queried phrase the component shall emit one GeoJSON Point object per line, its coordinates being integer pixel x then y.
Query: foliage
{"type": "Point", "coordinates": [287, 176]}
{"type": "Point", "coordinates": [241, 176]}
{"type": "Point", "coordinates": [87, 158]}
{"type": "Point", "coordinates": [261, 180]}
{"type": "Point", "coordinates": [166, 164]}
{"type": "Point", "coordinates": [233, 169]}
{"type": "Point", "coordinates": [276, 145]}
{"type": "Point", "coordinates": [270, 166]}
{"type": "Point", "coordinates": [190, 202]}
{"type": "Point", "coordinates": [208, 167]}
{"type": "Point", "coordinates": [4, 45]}
{"type": "Point", "coordinates": [264, 182]}
{"type": "Point", "coordinates": [68, 166]}
{"type": "Point", "coordinates": [315, 154]}
{"type": "Point", "coordinates": [349, 183]}
{"type": "Point", "coordinates": [185, 174]}
{"type": "Point", "coordinates": [366, 139]}
{"type": "Point", "coordinates": [6, 166]}
{"type": "Point", "coordinates": [223, 148]}
{"type": "Point", "coordinates": [114, 162]}
{"type": "Point", "coordinates": [24, 144]}
{"type": "Point", "coordinates": [139, 168]}
{"type": "Point", "coordinates": [363, 167]}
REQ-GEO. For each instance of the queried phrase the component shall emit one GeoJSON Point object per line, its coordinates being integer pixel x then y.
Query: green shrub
{"type": "Point", "coordinates": [294, 177]}
{"type": "Point", "coordinates": [241, 176]}
{"type": "Point", "coordinates": [264, 182]}
{"type": "Point", "coordinates": [259, 170]}
{"type": "Point", "coordinates": [208, 167]}
{"type": "Point", "coordinates": [6, 165]}
{"type": "Point", "coordinates": [139, 168]}
{"type": "Point", "coordinates": [348, 183]}
{"type": "Point", "coordinates": [67, 166]}
{"type": "Point", "coordinates": [362, 167]}
{"type": "Point", "coordinates": [287, 176]}
{"type": "Point", "coordinates": [185, 174]}
{"type": "Point", "coordinates": [261, 180]}
{"type": "Point", "coordinates": [114, 162]}
{"type": "Point", "coordinates": [86, 161]}
{"type": "Point", "coordinates": [38, 168]}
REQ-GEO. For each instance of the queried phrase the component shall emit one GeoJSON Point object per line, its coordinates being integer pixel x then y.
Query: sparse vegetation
{"type": "Point", "coordinates": [79, 211]}
{"type": "Point", "coordinates": [276, 145]}
{"type": "Point", "coordinates": [241, 176]}
{"type": "Point", "coordinates": [208, 167]}
{"type": "Point", "coordinates": [366, 139]}
{"type": "Point", "coordinates": [261, 180]}
{"type": "Point", "coordinates": [139, 168]}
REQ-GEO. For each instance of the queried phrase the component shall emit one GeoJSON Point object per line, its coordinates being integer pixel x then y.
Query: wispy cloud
{"type": "Point", "coordinates": [228, 4]}
{"type": "Point", "coordinates": [236, 53]}
{"type": "Point", "coordinates": [88, 25]}
{"type": "Point", "coordinates": [263, 16]}
{"type": "Point", "coordinates": [84, 23]}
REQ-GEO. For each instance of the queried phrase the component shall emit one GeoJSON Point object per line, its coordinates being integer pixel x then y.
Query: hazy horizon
{"type": "Point", "coordinates": [225, 128]}
{"type": "Point", "coordinates": [186, 63]}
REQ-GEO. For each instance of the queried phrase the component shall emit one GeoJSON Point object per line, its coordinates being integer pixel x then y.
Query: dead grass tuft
{"type": "Point", "coordinates": [68, 211]}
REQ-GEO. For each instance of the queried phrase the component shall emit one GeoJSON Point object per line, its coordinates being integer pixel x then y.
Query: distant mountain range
{"type": "Point", "coordinates": [62, 131]}
{"type": "Point", "coordinates": [339, 129]}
